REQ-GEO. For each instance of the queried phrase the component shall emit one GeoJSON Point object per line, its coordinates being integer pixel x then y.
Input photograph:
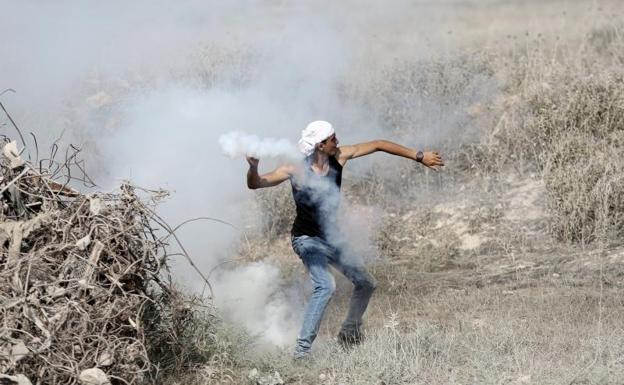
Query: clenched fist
{"type": "Point", "coordinates": [253, 162]}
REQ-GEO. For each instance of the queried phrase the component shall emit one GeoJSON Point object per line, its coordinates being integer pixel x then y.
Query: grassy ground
{"type": "Point", "coordinates": [508, 268]}
{"type": "Point", "coordinates": [503, 306]}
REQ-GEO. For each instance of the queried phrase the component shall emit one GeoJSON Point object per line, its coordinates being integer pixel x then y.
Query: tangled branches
{"type": "Point", "coordinates": [81, 293]}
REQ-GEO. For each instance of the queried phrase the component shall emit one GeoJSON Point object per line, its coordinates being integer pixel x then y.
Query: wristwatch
{"type": "Point", "coordinates": [419, 156]}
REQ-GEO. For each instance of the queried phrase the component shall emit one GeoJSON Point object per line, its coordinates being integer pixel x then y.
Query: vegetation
{"type": "Point", "coordinates": [484, 271]}
{"type": "Point", "coordinates": [506, 268]}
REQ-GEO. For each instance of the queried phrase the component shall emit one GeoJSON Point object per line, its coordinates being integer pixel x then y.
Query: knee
{"type": "Point", "coordinates": [369, 284]}
{"type": "Point", "coordinates": [372, 284]}
{"type": "Point", "coordinates": [325, 288]}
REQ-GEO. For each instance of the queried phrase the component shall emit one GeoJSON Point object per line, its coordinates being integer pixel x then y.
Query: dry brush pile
{"type": "Point", "coordinates": [82, 291]}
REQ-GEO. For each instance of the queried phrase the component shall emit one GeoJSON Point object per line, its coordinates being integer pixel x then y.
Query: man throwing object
{"type": "Point", "coordinates": [315, 235]}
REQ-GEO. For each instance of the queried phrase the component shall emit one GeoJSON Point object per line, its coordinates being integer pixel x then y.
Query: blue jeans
{"type": "Point", "coordinates": [317, 255]}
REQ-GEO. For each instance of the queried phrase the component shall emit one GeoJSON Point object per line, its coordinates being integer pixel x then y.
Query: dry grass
{"type": "Point", "coordinates": [567, 124]}
{"type": "Point", "coordinates": [505, 269]}
{"type": "Point", "coordinates": [517, 308]}
{"type": "Point", "coordinates": [532, 320]}
{"type": "Point", "coordinates": [486, 336]}
{"type": "Point", "coordinates": [508, 268]}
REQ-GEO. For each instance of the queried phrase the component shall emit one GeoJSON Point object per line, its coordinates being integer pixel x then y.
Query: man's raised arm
{"type": "Point", "coordinates": [273, 178]}
{"type": "Point", "coordinates": [430, 159]}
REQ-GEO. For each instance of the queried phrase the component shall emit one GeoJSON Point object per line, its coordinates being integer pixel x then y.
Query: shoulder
{"type": "Point", "coordinates": [344, 153]}
{"type": "Point", "coordinates": [355, 151]}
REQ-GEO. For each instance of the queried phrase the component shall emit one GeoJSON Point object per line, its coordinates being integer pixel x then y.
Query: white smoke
{"type": "Point", "coordinates": [255, 297]}
{"type": "Point", "coordinates": [149, 88]}
{"type": "Point", "coordinates": [238, 144]}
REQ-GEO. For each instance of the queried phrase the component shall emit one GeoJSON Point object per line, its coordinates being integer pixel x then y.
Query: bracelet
{"type": "Point", "coordinates": [419, 156]}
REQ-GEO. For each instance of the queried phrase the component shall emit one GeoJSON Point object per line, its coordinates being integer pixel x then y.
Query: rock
{"type": "Point", "coordinates": [105, 359]}
{"type": "Point", "coordinates": [83, 242]}
{"type": "Point", "coordinates": [13, 155]}
{"type": "Point", "coordinates": [253, 374]}
{"type": "Point", "coordinates": [20, 379]}
{"type": "Point", "coordinates": [277, 379]}
{"type": "Point", "coordinates": [19, 351]}
{"type": "Point", "coordinates": [95, 205]}
{"type": "Point", "coordinates": [93, 376]}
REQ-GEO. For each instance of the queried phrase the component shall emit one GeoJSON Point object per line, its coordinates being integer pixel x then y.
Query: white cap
{"type": "Point", "coordinates": [313, 134]}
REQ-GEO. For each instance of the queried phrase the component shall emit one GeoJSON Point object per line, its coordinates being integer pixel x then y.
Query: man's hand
{"type": "Point", "coordinates": [432, 159]}
{"type": "Point", "coordinates": [253, 162]}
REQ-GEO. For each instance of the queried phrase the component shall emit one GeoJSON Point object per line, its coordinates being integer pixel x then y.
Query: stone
{"type": "Point", "coordinates": [83, 242]}
{"type": "Point", "coordinates": [19, 379]}
{"type": "Point", "coordinates": [19, 351]}
{"type": "Point", "coordinates": [13, 155]}
{"type": "Point", "coordinates": [93, 376]}
{"type": "Point", "coordinates": [105, 359]}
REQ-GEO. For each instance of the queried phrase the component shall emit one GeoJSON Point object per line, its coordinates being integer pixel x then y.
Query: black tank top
{"type": "Point", "coordinates": [317, 199]}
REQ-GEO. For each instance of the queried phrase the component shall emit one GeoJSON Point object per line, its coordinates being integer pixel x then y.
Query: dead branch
{"type": "Point", "coordinates": [80, 280]}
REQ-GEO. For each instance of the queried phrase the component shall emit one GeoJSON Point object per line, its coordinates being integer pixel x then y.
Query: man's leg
{"type": "Point", "coordinates": [314, 254]}
{"type": "Point", "coordinates": [363, 287]}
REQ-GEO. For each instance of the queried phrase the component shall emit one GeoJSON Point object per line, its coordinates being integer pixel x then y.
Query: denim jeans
{"type": "Point", "coordinates": [317, 255]}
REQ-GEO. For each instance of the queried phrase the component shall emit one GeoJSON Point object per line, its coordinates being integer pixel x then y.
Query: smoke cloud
{"type": "Point", "coordinates": [271, 318]}
{"type": "Point", "coordinates": [239, 144]}
{"type": "Point", "coordinates": [158, 92]}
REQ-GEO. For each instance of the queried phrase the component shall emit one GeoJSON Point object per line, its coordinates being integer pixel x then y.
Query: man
{"type": "Point", "coordinates": [315, 236]}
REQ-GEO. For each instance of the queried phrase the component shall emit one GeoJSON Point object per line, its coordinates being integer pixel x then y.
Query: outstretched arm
{"type": "Point", "coordinates": [273, 178]}
{"type": "Point", "coordinates": [430, 159]}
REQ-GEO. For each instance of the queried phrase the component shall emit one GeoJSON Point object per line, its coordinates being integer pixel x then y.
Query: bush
{"type": "Point", "coordinates": [571, 129]}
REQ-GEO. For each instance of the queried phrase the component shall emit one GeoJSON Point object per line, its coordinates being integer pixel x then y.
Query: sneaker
{"type": "Point", "coordinates": [301, 356]}
{"type": "Point", "coordinates": [348, 339]}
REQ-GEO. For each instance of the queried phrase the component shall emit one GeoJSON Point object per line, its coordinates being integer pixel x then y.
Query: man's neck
{"type": "Point", "coordinates": [320, 162]}
{"type": "Point", "coordinates": [320, 158]}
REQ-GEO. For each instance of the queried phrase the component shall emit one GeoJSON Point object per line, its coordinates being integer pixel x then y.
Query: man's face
{"type": "Point", "coordinates": [329, 146]}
